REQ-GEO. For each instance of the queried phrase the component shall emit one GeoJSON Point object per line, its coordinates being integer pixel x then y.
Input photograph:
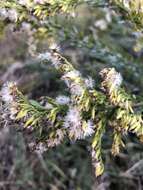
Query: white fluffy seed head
{"type": "Point", "coordinates": [117, 80]}
{"type": "Point", "coordinates": [6, 92]}
{"type": "Point", "coordinates": [56, 139]}
{"type": "Point", "coordinates": [13, 15]}
{"type": "Point", "coordinates": [101, 24]}
{"type": "Point", "coordinates": [126, 4]}
{"type": "Point", "coordinates": [72, 74]}
{"type": "Point", "coordinates": [39, 1]}
{"type": "Point", "coordinates": [72, 79]}
{"type": "Point", "coordinates": [76, 89]}
{"type": "Point", "coordinates": [55, 46]}
{"type": "Point", "coordinates": [89, 130]}
{"type": "Point", "coordinates": [62, 100]}
{"type": "Point", "coordinates": [23, 2]}
{"type": "Point", "coordinates": [73, 124]}
{"type": "Point", "coordinates": [3, 13]}
{"type": "Point", "coordinates": [47, 56]}
{"type": "Point", "coordinates": [72, 117]}
{"type": "Point", "coordinates": [41, 148]}
{"type": "Point", "coordinates": [48, 105]}
{"type": "Point", "coordinates": [89, 82]}
{"type": "Point", "coordinates": [111, 79]}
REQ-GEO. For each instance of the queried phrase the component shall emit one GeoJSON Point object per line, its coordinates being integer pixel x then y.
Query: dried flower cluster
{"type": "Point", "coordinates": [8, 95]}
{"type": "Point", "coordinates": [87, 112]}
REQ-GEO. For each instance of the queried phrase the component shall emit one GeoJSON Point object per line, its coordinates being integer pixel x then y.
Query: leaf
{"type": "Point", "coordinates": [93, 113]}
{"type": "Point", "coordinates": [99, 169]}
{"type": "Point", "coordinates": [87, 104]}
{"type": "Point", "coordinates": [95, 141]}
{"type": "Point", "coordinates": [36, 104]}
{"type": "Point", "coordinates": [21, 114]}
{"type": "Point", "coordinates": [29, 121]}
{"type": "Point", "coordinates": [35, 121]}
{"type": "Point", "coordinates": [84, 125]}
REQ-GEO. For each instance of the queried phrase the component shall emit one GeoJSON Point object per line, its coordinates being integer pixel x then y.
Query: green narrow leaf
{"type": "Point", "coordinates": [36, 104]}
{"type": "Point", "coordinates": [29, 121]}
{"type": "Point", "coordinates": [99, 169]}
{"type": "Point", "coordinates": [21, 114]}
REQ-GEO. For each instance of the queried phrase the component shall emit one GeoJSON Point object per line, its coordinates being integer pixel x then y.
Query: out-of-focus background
{"type": "Point", "coordinates": [92, 39]}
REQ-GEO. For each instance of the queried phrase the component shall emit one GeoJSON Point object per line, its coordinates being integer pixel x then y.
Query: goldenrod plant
{"type": "Point", "coordinates": [87, 112]}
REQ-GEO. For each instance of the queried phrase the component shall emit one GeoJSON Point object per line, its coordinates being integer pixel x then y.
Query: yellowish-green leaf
{"type": "Point", "coordinates": [29, 121]}
{"type": "Point", "coordinates": [99, 169]}
{"type": "Point", "coordinates": [21, 114]}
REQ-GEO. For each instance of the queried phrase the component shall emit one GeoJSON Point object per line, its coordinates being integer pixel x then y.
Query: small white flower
{"type": "Point", "coordinates": [117, 80]}
{"type": "Point", "coordinates": [73, 14]}
{"type": "Point", "coordinates": [138, 34]}
{"type": "Point", "coordinates": [7, 97]}
{"type": "Point", "coordinates": [72, 123]}
{"type": "Point", "coordinates": [30, 128]}
{"type": "Point", "coordinates": [55, 61]}
{"type": "Point", "coordinates": [3, 13]}
{"type": "Point", "coordinates": [101, 24]}
{"type": "Point", "coordinates": [112, 78]}
{"type": "Point", "coordinates": [39, 1]}
{"type": "Point", "coordinates": [55, 46]}
{"type": "Point", "coordinates": [72, 74]}
{"type": "Point", "coordinates": [108, 16]}
{"type": "Point", "coordinates": [13, 111]}
{"type": "Point", "coordinates": [76, 89]}
{"type": "Point", "coordinates": [26, 26]}
{"type": "Point", "coordinates": [60, 133]}
{"type": "Point", "coordinates": [89, 82]}
{"type": "Point", "coordinates": [93, 153]}
{"type": "Point", "coordinates": [57, 138]}
{"type": "Point", "coordinates": [72, 117]}
{"type": "Point", "coordinates": [126, 4]}
{"type": "Point", "coordinates": [48, 106]}
{"type": "Point", "coordinates": [23, 2]}
{"type": "Point", "coordinates": [62, 100]}
{"type": "Point", "coordinates": [41, 148]}
{"type": "Point", "coordinates": [6, 92]}
{"type": "Point", "coordinates": [45, 56]}
{"type": "Point", "coordinates": [89, 130]}
{"type": "Point", "coordinates": [13, 15]}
